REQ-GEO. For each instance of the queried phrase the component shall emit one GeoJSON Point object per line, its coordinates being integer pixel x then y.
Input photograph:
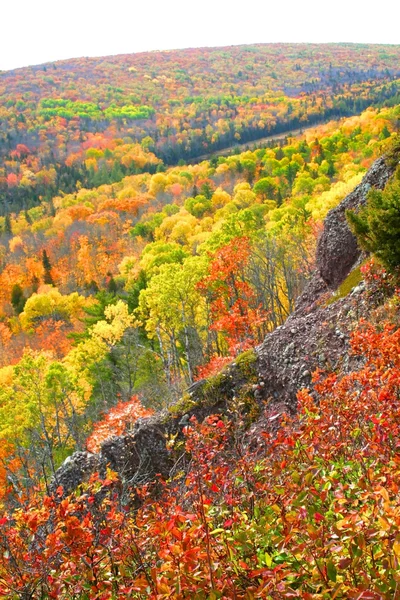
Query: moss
{"type": "Point", "coordinates": [60, 454]}
{"type": "Point", "coordinates": [184, 405]}
{"type": "Point", "coordinates": [247, 362]}
{"type": "Point", "coordinates": [233, 387]}
{"type": "Point", "coordinates": [214, 389]}
{"type": "Point", "coordinates": [245, 405]}
{"type": "Point", "coordinates": [351, 281]}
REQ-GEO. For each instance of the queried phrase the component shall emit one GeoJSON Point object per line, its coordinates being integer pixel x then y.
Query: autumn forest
{"type": "Point", "coordinates": [160, 215]}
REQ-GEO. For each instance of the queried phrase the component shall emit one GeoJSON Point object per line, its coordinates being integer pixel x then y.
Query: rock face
{"type": "Point", "coordinates": [337, 249]}
{"type": "Point", "coordinates": [315, 335]}
{"type": "Point", "coordinates": [75, 469]}
{"type": "Point", "coordinates": [142, 454]}
{"type": "Point", "coordinates": [307, 341]}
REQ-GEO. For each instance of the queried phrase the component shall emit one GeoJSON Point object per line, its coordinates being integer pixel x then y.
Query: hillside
{"type": "Point", "coordinates": [268, 494]}
{"type": "Point", "coordinates": [199, 373]}
{"type": "Point", "coordinates": [146, 285]}
{"type": "Point", "coordinates": [316, 336]}
{"type": "Point", "coordinates": [79, 122]}
{"type": "Point", "coordinates": [120, 297]}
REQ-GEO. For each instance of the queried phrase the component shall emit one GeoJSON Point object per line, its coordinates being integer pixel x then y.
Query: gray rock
{"type": "Point", "coordinates": [337, 250]}
{"type": "Point", "coordinates": [76, 469]}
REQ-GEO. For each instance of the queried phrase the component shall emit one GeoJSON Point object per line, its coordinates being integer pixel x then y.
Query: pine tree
{"type": "Point", "coordinates": [377, 225]}
{"type": "Point", "coordinates": [47, 277]}
{"type": "Point", "coordinates": [17, 299]}
{"type": "Point", "coordinates": [95, 313]}
{"type": "Point", "coordinates": [112, 287]}
{"type": "Point", "coordinates": [7, 224]}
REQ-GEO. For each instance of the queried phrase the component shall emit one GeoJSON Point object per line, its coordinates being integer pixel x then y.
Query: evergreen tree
{"type": "Point", "coordinates": [28, 217]}
{"type": "Point", "coordinates": [135, 289]}
{"type": "Point", "coordinates": [7, 224]}
{"type": "Point", "coordinates": [377, 225]}
{"type": "Point", "coordinates": [17, 299]}
{"type": "Point", "coordinates": [47, 277]}
{"type": "Point", "coordinates": [331, 170]}
{"type": "Point", "coordinates": [95, 313]}
{"type": "Point", "coordinates": [206, 190]}
{"type": "Point", "coordinates": [111, 285]}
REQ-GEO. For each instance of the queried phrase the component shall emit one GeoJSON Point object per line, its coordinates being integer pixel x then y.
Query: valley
{"type": "Point", "coordinates": [199, 325]}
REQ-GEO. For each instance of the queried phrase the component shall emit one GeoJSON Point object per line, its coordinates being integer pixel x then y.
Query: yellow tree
{"type": "Point", "coordinates": [175, 314]}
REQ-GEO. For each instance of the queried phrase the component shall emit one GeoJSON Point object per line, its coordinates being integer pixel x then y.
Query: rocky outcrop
{"type": "Point", "coordinates": [337, 250]}
{"type": "Point", "coordinates": [307, 341]}
{"type": "Point", "coordinates": [142, 454]}
{"type": "Point", "coordinates": [76, 469]}
{"type": "Point", "coordinates": [315, 335]}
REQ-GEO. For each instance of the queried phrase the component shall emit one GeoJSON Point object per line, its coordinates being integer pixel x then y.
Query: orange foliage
{"type": "Point", "coordinates": [52, 335]}
{"type": "Point", "coordinates": [213, 367]}
{"type": "Point", "coordinates": [5, 337]}
{"type": "Point", "coordinates": [116, 422]}
{"type": "Point", "coordinates": [8, 464]}
{"type": "Point", "coordinates": [232, 298]}
{"type": "Point", "coordinates": [308, 510]}
{"type": "Point", "coordinates": [131, 205]}
{"type": "Point", "coordinates": [80, 212]}
{"type": "Point", "coordinates": [12, 180]}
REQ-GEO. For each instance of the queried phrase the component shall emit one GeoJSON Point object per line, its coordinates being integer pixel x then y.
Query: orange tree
{"type": "Point", "coordinates": [233, 303]}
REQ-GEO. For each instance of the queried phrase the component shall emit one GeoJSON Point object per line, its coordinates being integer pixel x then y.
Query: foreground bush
{"type": "Point", "coordinates": [309, 512]}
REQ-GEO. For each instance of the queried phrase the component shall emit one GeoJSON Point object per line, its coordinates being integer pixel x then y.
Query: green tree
{"type": "Point", "coordinates": [174, 314]}
{"type": "Point", "coordinates": [198, 206]}
{"type": "Point", "coordinates": [7, 224]}
{"type": "Point", "coordinates": [266, 188]}
{"type": "Point", "coordinates": [17, 299]}
{"type": "Point", "coordinates": [377, 224]}
{"type": "Point", "coordinates": [94, 313]}
{"type": "Point", "coordinates": [47, 277]}
{"type": "Point", "coordinates": [112, 287]}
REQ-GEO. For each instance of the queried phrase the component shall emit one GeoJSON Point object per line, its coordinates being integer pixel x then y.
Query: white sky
{"type": "Point", "coordinates": [37, 31]}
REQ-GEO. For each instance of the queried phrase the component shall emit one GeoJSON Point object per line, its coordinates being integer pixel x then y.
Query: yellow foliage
{"type": "Point", "coordinates": [6, 376]}
{"type": "Point", "coordinates": [28, 179]}
{"type": "Point", "coordinates": [320, 205]}
{"type": "Point", "coordinates": [128, 267]}
{"type": "Point", "coordinates": [158, 183]}
{"type": "Point", "coordinates": [127, 193]}
{"type": "Point", "coordinates": [50, 304]}
{"type": "Point", "coordinates": [244, 197]}
{"type": "Point", "coordinates": [42, 225]}
{"type": "Point", "coordinates": [220, 198]}
{"type": "Point", "coordinates": [85, 355]}
{"type": "Point", "coordinates": [62, 220]}
{"type": "Point", "coordinates": [16, 244]}
{"type": "Point", "coordinates": [177, 228]}
{"type": "Point", "coordinates": [111, 330]}
{"type": "Point", "coordinates": [243, 185]}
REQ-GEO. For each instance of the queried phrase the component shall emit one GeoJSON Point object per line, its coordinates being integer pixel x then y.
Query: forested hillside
{"type": "Point", "coordinates": [132, 274]}
{"type": "Point", "coordinates": [78, 122]}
